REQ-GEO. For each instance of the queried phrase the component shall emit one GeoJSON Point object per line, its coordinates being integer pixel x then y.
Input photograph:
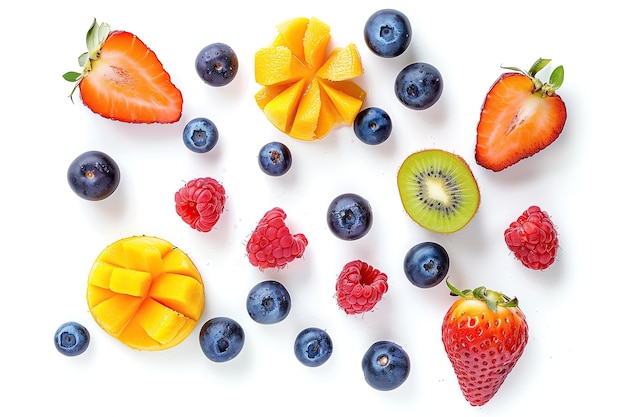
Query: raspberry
{"type": "Point", "coordinates": [272, 245]}
{"type": "Point", "coordinates": [200, 203]}
{"type": "Point", "coordinates": [533, 239]}
{"type": "Point", "coordinates": [360, 287]}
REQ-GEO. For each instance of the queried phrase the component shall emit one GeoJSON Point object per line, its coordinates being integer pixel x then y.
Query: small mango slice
{"type": "Point", "coordinates": [347, 106]}
{"type": "Point", "coordinates": [290, 34]}
{"type": "Point", "coordinates": [281, 109]}
{"type": "Point", "coordinates": [341, 65]}
{"type": "Point", "coordinates": [308, 113]}
{"type": "Point", "coordinates": [315, 42]}
{"type": "Point", "coordinates": [145, 292]}
{"type": "Point", "coordinates": [305, 92]}
{"type": "Point", "coordinates": [277, 65]}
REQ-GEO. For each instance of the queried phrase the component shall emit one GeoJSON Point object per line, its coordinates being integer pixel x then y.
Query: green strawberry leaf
{"type": "Point", "coordinates": [72, 76]}
{"type": "Point", "coordinates": [83, 58]}
{"type": "Point", "coordinates": [539, 64]}
{"type": "Point", "coordinates": [556, 78]}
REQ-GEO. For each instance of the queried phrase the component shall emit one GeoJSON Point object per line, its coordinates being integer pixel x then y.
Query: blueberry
{"type": "Point", "coordinates": [268, 302]}
{"type": "Point", "coordinates": [275, 159]}
{"type": "Point", "coordinates": [418, 86]}
{"type": "Point", "coordinates": [313, 347]}
{"type": "Point", "coordinates": [200, 135]}
{"type": "Point", "coordinates": [217, 64]}
{"type": "Point", "coordinates": [93, 175]}
{"type": "Point", "coordinates": [388, 33]}
{"type": "Point", "coordinates": [426, 264]}
{"type": "Point", "coordinates": [71, 338]}
{"type": "Point", "coordinates": [221, 339]}
{"type": "Point", "coordinates": [386, 365]}
{"type": "Point", "coordinates": [349, 216]}
{"type": "Point", "coordinates": [372, 126]}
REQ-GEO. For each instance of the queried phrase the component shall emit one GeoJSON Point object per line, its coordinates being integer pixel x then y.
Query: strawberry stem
{"type": "Point", "coordinates": [544, 89]}
{"type": "Point", "coordinates": [493, 299]}
{"type": "Point", "coordinates": [96, 35]}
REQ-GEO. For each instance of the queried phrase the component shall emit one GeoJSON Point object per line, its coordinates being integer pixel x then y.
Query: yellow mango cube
{"type": "Point", "coordinates": [143, 254]}
{"type": "Point", "coordinates": [177, 262]}
{"type": "Point", "coordinates": [100, 274]}
{"type": "Point", "coordinates": [161, 323]}
{"type": "Point", "coordinates": [96, 295]}
{"type": "Point", "coordinates": [114, 313]}
{"type": "Point", "coordinates": [179, 292]}
{"type": "Point", "coordinates": [130, 282]}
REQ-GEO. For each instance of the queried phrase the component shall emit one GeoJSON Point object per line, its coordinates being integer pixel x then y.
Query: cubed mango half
{"type": "Point", "coordinates": [145, 292]}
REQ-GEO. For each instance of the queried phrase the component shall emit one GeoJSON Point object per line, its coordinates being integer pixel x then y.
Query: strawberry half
{"type": "Point", "coordinates": [521, 115]}
{"type": "Point", "coordinates": [484, 334]}
{"type": "Point", "coordinates": [123, 79]}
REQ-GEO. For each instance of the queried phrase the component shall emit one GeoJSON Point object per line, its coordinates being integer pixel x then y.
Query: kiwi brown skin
{"type": "Point", "coordinates": [438, 190]}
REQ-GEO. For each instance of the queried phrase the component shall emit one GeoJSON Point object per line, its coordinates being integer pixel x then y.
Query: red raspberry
{"type": "Point", "coordinates": [272, 245]}
{"type": "Point", "coordinates": [200, 203]}
{"type": "Point", "coordinates": [533, 239]}
{"type": "Point", "coordinates": [360, 287]}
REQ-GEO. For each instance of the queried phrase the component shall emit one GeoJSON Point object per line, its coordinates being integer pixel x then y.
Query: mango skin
{"type": "Point", "coordinates": [145, 292]}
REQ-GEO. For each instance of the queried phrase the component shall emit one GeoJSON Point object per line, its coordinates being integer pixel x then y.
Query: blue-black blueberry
{"type": "Point", "coordinates": [388, 33]}
{"type": "Point", "coordinates": [349, 216]}
{"type": "Point", "coordinates": [268, 302]}
{"type": "Point", "coordinates": [419, 85]}
{"type": "Point", "coordinates": [386, 365]}
{"type": "Point", "coordinates": [200, 135]}
{"type": "Point", "coordinates": [93, 175]}
{"type": "Point", "coordinates": [313, 347]}
{"type": "Point", "coordinates": [221, 339]}
{"type": "Point", "coordinates": [71, 338]}
{"type": "Point", "coordinates": [217, 64]}
{"type": "Point", "coordinates": [426, 264]}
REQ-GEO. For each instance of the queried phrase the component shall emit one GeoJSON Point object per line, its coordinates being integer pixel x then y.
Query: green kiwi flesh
{"type": "Point", "coordinates": [438, 190]}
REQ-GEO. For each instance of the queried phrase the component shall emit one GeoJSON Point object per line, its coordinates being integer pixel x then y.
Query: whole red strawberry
{"type": "Point", "coordinates": [200, 203]}
{"type": "Point", "coordinates": [533, 239]}
{"type": "Point", "coordinates": [360, 287]}
{"type": "Point", "coordinates": [272, 245]}
{"type": "Point", "coordinates": [484, 334]}
{"type": "Point", "coordinates": [521, 116]}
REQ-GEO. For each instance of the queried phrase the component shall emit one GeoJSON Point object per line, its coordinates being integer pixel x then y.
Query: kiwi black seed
{"type": "Point", "coordinates": [438, 190]}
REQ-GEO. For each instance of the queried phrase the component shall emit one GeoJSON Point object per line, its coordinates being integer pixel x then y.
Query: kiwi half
{"type": "Point", "coordinates": [438, 190]}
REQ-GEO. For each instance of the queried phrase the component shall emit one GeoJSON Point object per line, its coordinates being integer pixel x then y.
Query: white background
{"type": "Point", "coordinates": [573, 361]}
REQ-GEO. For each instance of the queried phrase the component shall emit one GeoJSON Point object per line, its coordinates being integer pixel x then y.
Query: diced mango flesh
{"type": "Point", "coordinates": [315, 42]}
{"type": "Point", "coordinates": [277, 65]}
{"type": "Point", "coordinates": [342, 64]}
{"type": "Point", "coordinates": [308, 113]}
{"type": "Point", "coordinates": [145, 292]}
{"type": "Point", "coordinates": [282, 108]}
{"type": "Point", "coordinates": [161, 323]}
{"type": "Point", "coordinates": [180, 293]}
{"type": "Point", "coordinates": [347, 106]}
{"type": "Point", "coordinates": [130, 282]}
{"type": "Point", "coordinates": [299, 80]}
{"type": "Point", "coordinates": [291, 32]}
